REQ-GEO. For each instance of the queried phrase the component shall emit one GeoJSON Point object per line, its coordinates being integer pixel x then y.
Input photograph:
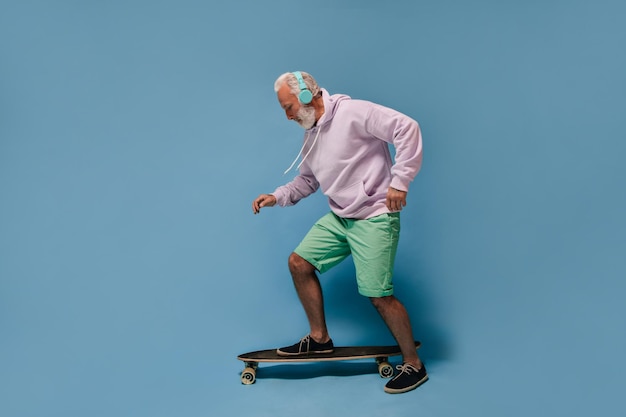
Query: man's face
{"type": "Point", "coordinates": [304, 115]}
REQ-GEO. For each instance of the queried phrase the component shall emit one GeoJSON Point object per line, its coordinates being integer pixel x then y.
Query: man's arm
{"type": "Point", "coordinates": [288, 194]}
{"type": "Point", "coordinates": [300, 187]}
{"type": "Point", "coordinates": [405, 135]}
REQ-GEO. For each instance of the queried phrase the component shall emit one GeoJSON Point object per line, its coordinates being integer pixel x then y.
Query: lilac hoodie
{"type": "Point", "coordinates": [347, 156]}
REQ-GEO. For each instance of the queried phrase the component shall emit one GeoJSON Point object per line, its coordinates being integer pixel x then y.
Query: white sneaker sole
{"type": "Point", "coordinates": [406, 389]}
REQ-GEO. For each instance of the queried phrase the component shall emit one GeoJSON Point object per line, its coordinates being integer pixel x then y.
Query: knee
{"type": "Point", "coordinates": [299, 265]}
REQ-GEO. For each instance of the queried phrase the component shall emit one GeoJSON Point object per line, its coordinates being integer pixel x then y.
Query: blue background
{"type": "Point", "coordinates": [135, 134]}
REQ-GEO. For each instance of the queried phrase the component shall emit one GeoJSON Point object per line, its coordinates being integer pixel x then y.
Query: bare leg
{"type": "Point", "coordinates": [310, 293]}
{"type": "Point", "coordinates": [397, 319]}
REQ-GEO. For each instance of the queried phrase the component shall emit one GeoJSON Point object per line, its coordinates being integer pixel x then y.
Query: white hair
{"type": "Point", "coordinates": [293, 84]}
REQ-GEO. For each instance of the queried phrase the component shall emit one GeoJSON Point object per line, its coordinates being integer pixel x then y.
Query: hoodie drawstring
{"type": "Point", "coordinates": [301, 149]}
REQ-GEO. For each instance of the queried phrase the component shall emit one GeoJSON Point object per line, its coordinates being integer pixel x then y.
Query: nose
{"type": "Point", "coordinates": [289, 115]}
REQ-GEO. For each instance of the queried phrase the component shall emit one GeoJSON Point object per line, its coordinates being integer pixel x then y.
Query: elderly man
{"type": "Point", "coordinates": [346, 154]}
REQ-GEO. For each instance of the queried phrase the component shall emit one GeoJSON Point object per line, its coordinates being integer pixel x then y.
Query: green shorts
{"type": "Point", "coordinates": [372, 244]}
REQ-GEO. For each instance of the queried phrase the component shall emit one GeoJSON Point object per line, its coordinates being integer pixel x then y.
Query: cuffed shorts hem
{"type": "Point", "coordinates": [375, 294]}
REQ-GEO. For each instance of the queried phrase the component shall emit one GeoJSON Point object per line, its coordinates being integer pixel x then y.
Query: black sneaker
{"type": "Point", "coordinates": [408, 379]}
{"type": "Point", "coordinates": [305, 346]}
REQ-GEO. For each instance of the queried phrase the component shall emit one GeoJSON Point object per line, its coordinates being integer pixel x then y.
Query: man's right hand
{"type": "Point", "coordinates": [264, 200]}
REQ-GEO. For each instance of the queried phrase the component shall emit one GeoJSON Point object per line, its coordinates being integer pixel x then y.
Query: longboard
{"type": "Point", "coordinates": [380, 353]}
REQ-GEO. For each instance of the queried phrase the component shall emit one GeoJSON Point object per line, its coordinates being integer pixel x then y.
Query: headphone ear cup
{"type": "Point", "coordinates": [305, 96]}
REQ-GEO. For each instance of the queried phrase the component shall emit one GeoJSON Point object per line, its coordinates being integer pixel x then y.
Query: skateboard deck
{"type": "Point", "coordinates": [380, 353]}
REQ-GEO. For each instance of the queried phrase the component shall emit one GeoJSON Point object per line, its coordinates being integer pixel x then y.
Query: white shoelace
{"type": "Point", "coordinates": [305, 340]}
{"type": "Point", "coordinates": [406, 368]}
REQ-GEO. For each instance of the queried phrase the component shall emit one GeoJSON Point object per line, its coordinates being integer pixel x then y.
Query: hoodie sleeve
{"type": "Point", "coordinates": [302, 186]}
{"type": "Point", "coordinates": [405, 135]}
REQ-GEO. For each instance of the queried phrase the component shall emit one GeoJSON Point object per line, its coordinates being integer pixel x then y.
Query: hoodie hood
{"type": "Point", "coordinates": [331, 104]}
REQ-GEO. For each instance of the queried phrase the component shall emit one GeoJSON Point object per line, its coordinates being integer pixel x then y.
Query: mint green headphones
{"type": "Point", "coordinates": [305, 95]}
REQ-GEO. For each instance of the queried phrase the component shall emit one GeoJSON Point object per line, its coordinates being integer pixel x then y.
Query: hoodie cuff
{"type": "Point", "coordinates": [399, 184]}
{"type": "Point", "coordinates": [280, 197]}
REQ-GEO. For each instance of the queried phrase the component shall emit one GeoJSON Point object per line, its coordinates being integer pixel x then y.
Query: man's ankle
{"type": "Point", "coordinates": [320, 339]}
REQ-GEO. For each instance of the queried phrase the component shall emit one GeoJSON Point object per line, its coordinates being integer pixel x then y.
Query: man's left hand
{"type": "Point", "coordinates": [396, 199]}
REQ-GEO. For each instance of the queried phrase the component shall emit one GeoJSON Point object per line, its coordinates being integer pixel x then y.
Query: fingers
{"type": "Point", "coordinates": [395, 205]}
{"type": "Point", "coordinates": [264, 200]}
{"type": "Point", "coordinates": [396, 199]}
{"type": "Point", "coordinates": [256, 205]}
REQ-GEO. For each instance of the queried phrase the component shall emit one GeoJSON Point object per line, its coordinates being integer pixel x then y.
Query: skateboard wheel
{"type": "Point", "coordinates": [385, 370]}
{"type": "Point", "coordinates": [248, 376]}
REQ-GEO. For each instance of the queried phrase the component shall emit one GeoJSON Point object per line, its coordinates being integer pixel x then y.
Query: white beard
{"type": "Point", "coordinates": [306, 117]}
